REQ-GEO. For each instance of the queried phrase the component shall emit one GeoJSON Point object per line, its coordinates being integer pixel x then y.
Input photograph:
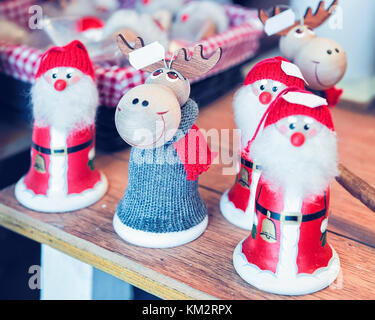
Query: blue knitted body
{"type": "Point", "coordinates": [159, 198]}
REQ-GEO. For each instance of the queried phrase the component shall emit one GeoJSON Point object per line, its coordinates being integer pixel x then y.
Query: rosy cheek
{"type": "Point", "coordinates": [313, 133]}
{"type": "Point", "coordinates": [255, 91]}
{"type": "Point", "coordinates": [75, 79]}
{"type": "Point", "coordinates": [49, 80]}
{"type": "Point", "coordinates": [283, 129]}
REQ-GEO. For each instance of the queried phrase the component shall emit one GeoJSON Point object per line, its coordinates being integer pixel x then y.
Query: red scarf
{"type": "Point", "coordinates": [194, 153]}
{"type": "Point", "coordinates": [333, 96]}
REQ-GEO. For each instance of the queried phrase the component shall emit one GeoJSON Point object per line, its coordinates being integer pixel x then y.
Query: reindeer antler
{"type": "Point", "coordinates": [197, 65]}
{"type": "Point", "coordinates": [310, 19]}
{"type": "Point", "coordinates": [320, 15]}
{"type": "Point", "coordinates": [126, 48]}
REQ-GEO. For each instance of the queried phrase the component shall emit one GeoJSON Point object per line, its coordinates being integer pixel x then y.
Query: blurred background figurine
{"type": "Point", "coordinates": [322, 61]}
{"type": "Point", "coordinates": [287, 251]}
{"type": "Point", "coordinates": [199, 20]}
{"type": "Point", "coordinates": [162, 206]}
{"type": "Point", "coordinates": [262, 85]}
{"type": "Point", "coordinates": [62, 176]}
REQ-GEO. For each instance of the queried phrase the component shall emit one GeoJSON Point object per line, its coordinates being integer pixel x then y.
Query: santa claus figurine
{"type": "Point", "coordinates": [62, 176]}
{"type": "Point", "coordinates": [262, 85]}
{"type": "Point", "coordinates": [287, 251]}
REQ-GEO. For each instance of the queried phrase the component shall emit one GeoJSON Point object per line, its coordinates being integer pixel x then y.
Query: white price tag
{"type": "Point", "coordinates": [305, 99]}
{"type": "Point", "coordinates": [279, 22]}
{"type": "Point", "coordinates": [147, 55]}
{"type": "Point", "coordinates": [292, 70]}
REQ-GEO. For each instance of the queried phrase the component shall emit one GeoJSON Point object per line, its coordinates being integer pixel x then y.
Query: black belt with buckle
{"type": "Point", "coordinates": [63, 151]}
{"type": "Point", "coordinates": [249, 164]}
{"type": "Point", "coordinates": [291, 217]}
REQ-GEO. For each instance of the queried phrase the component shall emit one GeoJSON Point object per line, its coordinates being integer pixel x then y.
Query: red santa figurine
{"type": "Point", "coordinates": [262, 85]}
{"type": "Point", "coordinates": [287, 251]}
{"type": "Point", "coordinates": [62, 176]}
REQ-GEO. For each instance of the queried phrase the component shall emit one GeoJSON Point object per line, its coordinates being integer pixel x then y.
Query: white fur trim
{"type": "Point", "coordinates": [298, 285]}
{"type": "Point", "coordinates": [59, 202]}
{"type": "Point", "coordinates": [305, 99]}
{"type": "Point", "coordinates": [158, 240]}
{"type": "Point", "coordinates": [287, 265]}
{"type": "Point", "coordinates": [58, 166]}
{"type": "Point", "coordinates": [235, 216]}
{"type": "Point", "coordinates": [292, 70]}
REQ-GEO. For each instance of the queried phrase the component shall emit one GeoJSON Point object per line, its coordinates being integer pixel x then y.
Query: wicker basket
{"type": "Point", "coordinates": [18, 65]}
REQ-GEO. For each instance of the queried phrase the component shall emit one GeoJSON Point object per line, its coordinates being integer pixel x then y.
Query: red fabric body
{"type": "Point", "coordinates": [34, 180]}
{"type": "Point", "coordinates": [194, 153]}
{"type": "Point", "coordinates": [311, 254]}
{"type": "Point", "coordinates": [238, 194]}
{"type": "Point", "coordinates": [79, 175]}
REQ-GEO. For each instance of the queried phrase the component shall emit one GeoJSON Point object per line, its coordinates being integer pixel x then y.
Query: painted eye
{"type": "Point", "coordinates": [145, 103]}
{"type": "Point", "coordinates": [172, 76]}
{"type": "Point", "coordinates": [54, 75]}
{"type": "Point", "coordinates": [337, 50]}
{"type": "Point", "coordinates": [329, 52]}
{"type": "Point", "coordinates": [307, 127]}
{"type": "Point", "coordinates": [274, 89]}
{"type": "Point", "coordinates": [299, 31]}
{"type": "Point", "coordinates": [262, 87]}
{"type": "Point", "coordinates": [157, 73]}
{"type": "Point", "coordinates": [135, 101]}
{"type": "Point", "coordinates": [69, 75]}
{"type": "Point", "coordinates": [292, 126]}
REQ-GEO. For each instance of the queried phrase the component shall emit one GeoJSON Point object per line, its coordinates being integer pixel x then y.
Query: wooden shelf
{"type": "Point", "coordinates": [203, 269]}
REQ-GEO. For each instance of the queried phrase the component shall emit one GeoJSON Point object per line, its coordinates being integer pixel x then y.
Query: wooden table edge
{"type": "Point", "coordinates": [105, 260]}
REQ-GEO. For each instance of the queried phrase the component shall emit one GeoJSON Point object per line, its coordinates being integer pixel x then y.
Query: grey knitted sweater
{"type": "Point", "coordinates": [159, 198]}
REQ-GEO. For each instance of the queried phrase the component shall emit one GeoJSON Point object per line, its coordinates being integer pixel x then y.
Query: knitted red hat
{"type": "Point", "coordinates": [72, 55]}
{"type": "Point", "coordinates": [294, 102]}
{"type": "Point", "coordinates": [277, 69]}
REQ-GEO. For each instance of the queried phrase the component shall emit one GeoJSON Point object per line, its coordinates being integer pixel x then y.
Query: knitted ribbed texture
{"type": "Point", "coordinates": [72, 55]}
{"type": "Point", "coordinates": [281, 108]}
{"type": "Point", "coordinates": [271, 69]}
{"type": "Point", "coordinates": [159, 198]}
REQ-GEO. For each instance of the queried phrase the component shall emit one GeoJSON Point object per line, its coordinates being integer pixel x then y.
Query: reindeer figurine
{"type": "Point", "coordinates": [322, 61]}
{"type": "Point", "coordinates": [162, 206]}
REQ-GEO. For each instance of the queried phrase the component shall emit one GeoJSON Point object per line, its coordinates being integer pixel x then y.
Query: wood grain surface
{"type": "Point", "coordinates": [203, 269]}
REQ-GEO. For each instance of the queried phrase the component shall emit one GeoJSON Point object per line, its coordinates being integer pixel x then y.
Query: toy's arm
{"type": "Point", "coordinates": [357, 187]}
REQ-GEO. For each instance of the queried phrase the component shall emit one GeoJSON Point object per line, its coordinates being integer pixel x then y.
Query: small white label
{"type": "Point", "coordinates": [279, 22]}
{"type": "Point", "coordinates": [292, 70]}
{"type": "Point", "coordinates": [305, 99]}
{"type": "Point", "coordinates": [147, 55]}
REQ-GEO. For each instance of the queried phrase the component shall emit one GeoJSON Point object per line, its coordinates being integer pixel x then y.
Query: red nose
{"type": "Point", "coordinates": [60, 85]}
{"type": "Point", "coordinates": [297, 139]}
{"type": "Point", "coordinates": [265, 98]}
{"type": "Point", "coordinates": [184, 17]}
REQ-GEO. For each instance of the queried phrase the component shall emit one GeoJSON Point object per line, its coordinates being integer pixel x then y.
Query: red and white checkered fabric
{"type": "Point", "coordinates": [239, 43]}
{"type": "Point", "coordinates": [16, 10]}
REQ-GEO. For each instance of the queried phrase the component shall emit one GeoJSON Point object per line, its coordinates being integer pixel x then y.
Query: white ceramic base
{"type": "Point", "coordinates": [234, 215]}
{"type": "Point", "coordinates": [158, 240]}
{"type": "Point", "coordinates": [293, 285]}
{"type": "Point", "coordinates": [60, 203]}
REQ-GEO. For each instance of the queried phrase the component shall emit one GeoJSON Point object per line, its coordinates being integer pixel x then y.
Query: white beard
{"type": "Point", "coordinates": [248, 112]}
{"type": "Point", "coordinates": [73, 108]}
{"type": "Point", "coordinates": [302, 171]}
